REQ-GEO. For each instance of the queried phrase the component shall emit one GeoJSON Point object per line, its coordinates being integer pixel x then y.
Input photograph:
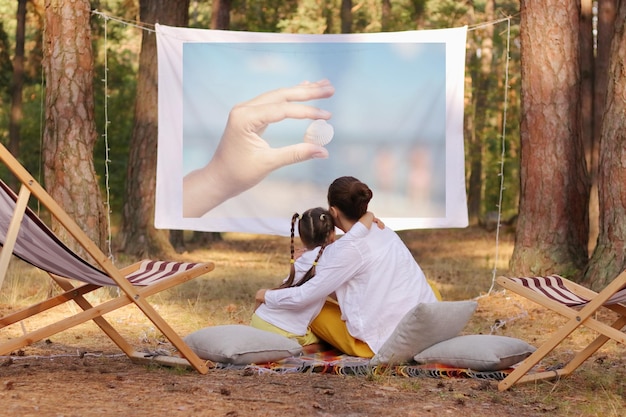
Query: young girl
{"type": "Point", "coordinates": [317, 230]}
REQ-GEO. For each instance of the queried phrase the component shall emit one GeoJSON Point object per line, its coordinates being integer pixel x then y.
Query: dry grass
{"type": "Point", "coordinates": [460, 261]}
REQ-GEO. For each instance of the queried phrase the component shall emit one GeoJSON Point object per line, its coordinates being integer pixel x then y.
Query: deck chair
{"type": "Point", "coordinates": [579, 305]}
{"type": "Point", "coordinates": [26, 236]}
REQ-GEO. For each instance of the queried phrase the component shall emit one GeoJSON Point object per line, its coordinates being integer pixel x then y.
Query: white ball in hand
{"type": "Point", "coordinates": [319, 133]}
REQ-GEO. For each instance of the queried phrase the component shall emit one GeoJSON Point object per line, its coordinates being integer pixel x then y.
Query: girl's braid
{"type": "Point", "coordinates": [292, 261]}
{"type": "Point", "coordinates": [311, 272]}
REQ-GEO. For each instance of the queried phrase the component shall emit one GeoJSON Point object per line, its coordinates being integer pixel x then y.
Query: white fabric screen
{"type": "Point", "coordinates": [397, 114]}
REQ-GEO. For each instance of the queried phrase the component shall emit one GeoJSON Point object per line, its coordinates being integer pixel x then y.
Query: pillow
{"type": "Point", "coordinates": [480, 352]}
{"type": "Point", "coordinates": [241, 345]}
{"type": "Point", "coordinates": [423, 326]}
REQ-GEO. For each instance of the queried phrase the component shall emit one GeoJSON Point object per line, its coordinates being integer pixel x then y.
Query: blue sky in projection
{"type": "Point", "coordinates": [389, 108]}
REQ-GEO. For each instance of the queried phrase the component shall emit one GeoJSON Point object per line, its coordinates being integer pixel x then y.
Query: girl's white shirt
{"type": "Point", "coordinates": [375, 278]}
{"type": "Point", "coordinates": [295, 321]}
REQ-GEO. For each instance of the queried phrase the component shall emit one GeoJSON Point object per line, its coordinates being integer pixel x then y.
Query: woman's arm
{"type": "Point", "coordinates": [339, 263]}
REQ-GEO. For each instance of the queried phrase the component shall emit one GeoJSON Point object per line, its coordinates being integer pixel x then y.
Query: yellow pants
{"type": "Point", "coordinates": [329, 327]}
{"type": "Point", "coordinates": [307, 339]}
{"type": "Point", "coordinates": [435, 289]}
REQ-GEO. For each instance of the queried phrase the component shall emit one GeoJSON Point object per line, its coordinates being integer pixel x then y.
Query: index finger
{"type": "Point", "coordinates": [259, 116]}
{"type": "Point", "coordinates": [302, 92]}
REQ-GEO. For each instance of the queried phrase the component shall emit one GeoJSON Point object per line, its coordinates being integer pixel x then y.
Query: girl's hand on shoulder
{"type": "Point", "coordinates": [260, 295]}
{"type": "Point", "coordinates": [379, 223]}
{"type": "Point", "coordinates": [368, 219]}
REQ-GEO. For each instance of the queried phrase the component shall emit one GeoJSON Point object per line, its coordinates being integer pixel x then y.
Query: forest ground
{"type": "Point", "coordinates": [81, 373]}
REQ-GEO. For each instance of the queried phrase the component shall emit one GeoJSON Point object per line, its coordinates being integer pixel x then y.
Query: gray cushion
{"type": "Point", "coordinates": [423, 326]}
{"type": "Point", "coordinates": [241, 345]}
{"type": "Point", "coordinates": [480, 352]}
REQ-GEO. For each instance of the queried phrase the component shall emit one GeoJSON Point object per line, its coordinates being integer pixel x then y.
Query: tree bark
{"type": "Point", "coordinates": [220, 14]}
{"type": "Point", "coordinates": [70, 129]}
{"type": "Point", "coordinates": [606, 20]}
{"type": "Point", "coordinates": [587, 119]}
{"type": "Point", "coordinates": [15, 120]}
{"type": "Point", "coordinates": [385, 20]}
{"type": "Point", "coordinates": [552, 227]}
{"type": "Point", "coordinates": [139, 236]}
{"type": "Point", "coordinates": [609, 257]}
{"type": "Point", "coordinates": [607, 10]}
{"type": "Point", "coordinates": [482, 82]}
{"type": "Point", "coordinates": [346, 16]}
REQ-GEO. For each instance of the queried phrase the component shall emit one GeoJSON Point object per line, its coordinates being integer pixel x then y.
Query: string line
{"type": "Point", "coordinates": [490, 23]}
{"type": "Point", "coordinates": [151, 27]}
{"type": "Point", "coordinates": [107, 150]}
{"type": "Point", "coordinates": [139, 25]}
{"type": "Point", "coordinates": [42, 117]}
{"type": "Point", "coordinates": [503, 153]}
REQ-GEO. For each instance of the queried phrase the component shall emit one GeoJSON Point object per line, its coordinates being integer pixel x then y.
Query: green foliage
{"type": "Point", "coordinates": [116, 104]}
{"type": "Point", "coordinates": [494, 142]}
{"type": "Point", "coordinates": [405, 14]}
{"type": "Point", "coordinates": [260, 15]}
{"type": "Point", "coordinates": [6, 68]}
{"type": "Point", "coordinates": [446, 13]}
{"type": "Point", "coordinates": [200, 14]}
{"type": "Point", "coordinates": [310, 17]}
{"type": "Point", "coordinates": [32, 103]}
{"type": "Point", "coordinates": [32, 129]}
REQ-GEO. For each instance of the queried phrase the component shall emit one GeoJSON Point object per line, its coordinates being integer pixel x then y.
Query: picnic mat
{"type": "Point", "coordinates": [332, 362]}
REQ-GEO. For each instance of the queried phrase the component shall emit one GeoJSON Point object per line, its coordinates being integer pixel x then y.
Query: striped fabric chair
{"type": "Point", "coordinates": [24, 235]}
{"type": "Point", "coordinates": [579, 305]}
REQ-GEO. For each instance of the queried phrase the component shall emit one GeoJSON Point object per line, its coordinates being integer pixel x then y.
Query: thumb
{"type": "Point", "coordinates": [300, 152]}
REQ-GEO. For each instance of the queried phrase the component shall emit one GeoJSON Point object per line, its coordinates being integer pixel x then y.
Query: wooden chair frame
{"type": "Point", "coordinates": [612, 297]}
{"type": "Point", "coordinates": [130, 292]}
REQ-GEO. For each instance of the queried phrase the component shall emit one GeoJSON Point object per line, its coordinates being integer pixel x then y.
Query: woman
{"type": "Point", "coordinates": [374, 278]}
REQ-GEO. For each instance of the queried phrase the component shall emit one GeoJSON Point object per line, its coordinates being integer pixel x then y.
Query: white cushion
{"type": "Point", "coordinates": [241, 345]}
{"type": "Point", "coordinates": [423, 326]}
{"type": "Point", "coordinates": [480, 352]}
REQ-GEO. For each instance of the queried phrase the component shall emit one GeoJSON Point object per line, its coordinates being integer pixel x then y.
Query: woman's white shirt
{"type": "Point", "coordinates": [375, 278]}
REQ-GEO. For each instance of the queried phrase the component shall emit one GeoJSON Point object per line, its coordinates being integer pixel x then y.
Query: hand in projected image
{"type": "Point", "coordinates": [243, 158]}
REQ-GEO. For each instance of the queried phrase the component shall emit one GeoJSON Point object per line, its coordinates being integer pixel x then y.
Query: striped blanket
{"type": "Point", "coordinates": [332, 362]}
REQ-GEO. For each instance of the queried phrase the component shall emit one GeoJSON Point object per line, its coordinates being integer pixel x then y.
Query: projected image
{"type": "Point", "coordinates": [254, 127]}
{"type": "Point", "coordinates": [388, 115]}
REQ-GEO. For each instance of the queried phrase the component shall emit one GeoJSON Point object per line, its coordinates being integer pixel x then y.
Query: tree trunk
{"type": "Point", "coordinates": [609, 257]}
{"type": "Point", "coordinates": [586, 111]}
{"type": "Point", "coordinates": [346, 16]}
{"type": "Point", "coordinates": [552, 227]}
{"type": "Point", "coordinates": [70, 128]}
{"type": "Point", "coordinates": [15, 120]}
{"type": "Point", "coordinates": [419, 11]}
{"type": "Point", "coordinates": [220, 14]}
{"type": "Point", "coordinates": [177, 239]}
{"type": "Point", "coordinates": [139, 236]}
{"type": "Point", "coordinates": [206, 239]}
{"type": "Point", "coordinates": [482, 82]}
{"type": "Point", "coordinates": [385, 20]}
{"type": "Point", "coordinates": [606, 20]}
{"type": "Point", "coordinates": [587, 76]}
